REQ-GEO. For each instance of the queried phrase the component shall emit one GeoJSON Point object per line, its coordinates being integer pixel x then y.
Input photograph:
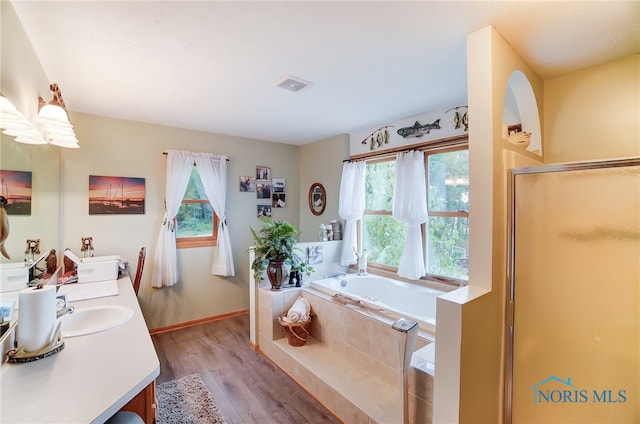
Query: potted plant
{"type": "Point", "coordinates": [274, 248]}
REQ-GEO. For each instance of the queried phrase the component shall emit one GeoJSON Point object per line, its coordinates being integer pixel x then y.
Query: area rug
{"type": "Point", "coordinates": [186, 400]}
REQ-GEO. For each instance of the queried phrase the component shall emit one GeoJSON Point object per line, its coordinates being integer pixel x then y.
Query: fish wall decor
{"type": "Point", "coordinates": [460, 120]}
{"type": "Point", "coordinates": [377, 138]}
{"type": "Point", "coordinates": [418, 130]}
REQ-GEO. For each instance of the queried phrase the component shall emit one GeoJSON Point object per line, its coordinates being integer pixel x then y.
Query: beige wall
{"type": "Point", "coordinates": [124, 148]}
{"type": "Point", "coordinates": [470, 328]}
{"type": "Point", "coordinates": [587, 115]}
{"type": "Point", "coordinates": [321, 162]}
{"type": "Point", "coordinates": [593, 113]}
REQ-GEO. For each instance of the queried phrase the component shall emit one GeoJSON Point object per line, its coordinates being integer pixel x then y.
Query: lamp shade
{"type": "Point", "coordinates": [52, 114]}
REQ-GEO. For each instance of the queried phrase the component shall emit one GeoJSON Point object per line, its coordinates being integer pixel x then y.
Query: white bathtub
{"type": "Point", "coordinates": [397, 298]}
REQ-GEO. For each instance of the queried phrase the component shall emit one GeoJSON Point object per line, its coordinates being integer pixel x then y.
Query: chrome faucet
{"type": "Point", "coordinates": [65, 311]}
{"type": "Point", "coordinates": [337, 274]}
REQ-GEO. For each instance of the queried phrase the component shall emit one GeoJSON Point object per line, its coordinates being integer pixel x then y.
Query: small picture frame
{"type": "Point", "coordinates": [6, 309]}
{"type": "Point", "coordinates": [279, 200]}
{"type": "Point", "coordinates": [263, 173]}
{"type": "Point", "coordinates": [263, 189]}
{"type": "Point", "coordinates": [316, 255]}
{"type": "Point", "coordinates": [247, 184]}
{"type": "Point", "coordinates": [279, 185]}
{"type": "Point", "coordinates": [263, 210]}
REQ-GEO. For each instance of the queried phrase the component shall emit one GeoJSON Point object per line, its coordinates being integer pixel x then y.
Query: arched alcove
{"type": "Point", "coordinates": [520, 118]}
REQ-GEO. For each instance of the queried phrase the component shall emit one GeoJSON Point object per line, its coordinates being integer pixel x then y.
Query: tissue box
{"type": "Point", "coordinates": [13, 277]}
{"type": "Point", "coordinates": [99, 268]}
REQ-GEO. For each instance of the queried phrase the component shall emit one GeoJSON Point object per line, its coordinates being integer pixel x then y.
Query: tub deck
{"type": "Point", "coordinates": [351, 361]}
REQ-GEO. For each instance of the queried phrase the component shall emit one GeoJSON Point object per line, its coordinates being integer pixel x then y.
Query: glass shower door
{"type": "Point", "coordinates": [573, 314]}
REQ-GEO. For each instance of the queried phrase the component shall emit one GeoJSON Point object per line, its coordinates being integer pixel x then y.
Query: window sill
{"type": "Point", "coordinates": [425, 281]}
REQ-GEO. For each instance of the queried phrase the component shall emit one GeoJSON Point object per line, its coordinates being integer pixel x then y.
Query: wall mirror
{"type": "Point", "coordinates": [42, 221]}
{"type": "Point", "coordinates": [317, 198]}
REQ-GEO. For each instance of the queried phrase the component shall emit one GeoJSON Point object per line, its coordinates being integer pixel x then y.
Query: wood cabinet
{"type": "Point", "coordinates": [144, 404]}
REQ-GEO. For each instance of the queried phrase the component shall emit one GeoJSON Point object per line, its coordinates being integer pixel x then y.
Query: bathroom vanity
{"type": "Point", "coordinates": [92, 378]}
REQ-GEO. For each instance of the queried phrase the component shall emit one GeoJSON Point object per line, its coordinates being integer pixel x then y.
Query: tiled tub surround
{"type": "Point", "coordinates": [352, 362]}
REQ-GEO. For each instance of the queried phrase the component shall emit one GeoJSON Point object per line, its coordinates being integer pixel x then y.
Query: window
{"type": "Point", "coordinates": [446, 233]}
{"type": "Point", "coordinates": [196, 222]}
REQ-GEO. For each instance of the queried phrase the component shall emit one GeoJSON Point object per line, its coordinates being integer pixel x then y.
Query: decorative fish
{"type": "Point", "coordinates": [456, 120]}
{"type": "Point", "coordinates": [418, 130]}
{"type": "Point", "coordinates": [4, 226]}
{"type": "Point", "coordinates": [465, 120]}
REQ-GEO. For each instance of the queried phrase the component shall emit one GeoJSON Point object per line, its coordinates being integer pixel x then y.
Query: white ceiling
{"type": "Point", "coordinates": [211, 65]}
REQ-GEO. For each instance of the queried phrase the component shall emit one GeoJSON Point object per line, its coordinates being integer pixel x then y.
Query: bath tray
{"type": "Point", "coordinates": [19, 356]}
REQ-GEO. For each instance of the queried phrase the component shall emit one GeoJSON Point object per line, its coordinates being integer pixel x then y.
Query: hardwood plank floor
{"type": "Point", "coordinates": [246, 385]}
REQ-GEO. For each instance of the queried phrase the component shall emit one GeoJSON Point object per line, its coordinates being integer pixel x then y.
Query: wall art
{"type": "Point", "coordinates": [263, 189]}
{"type": "Point", "coordinates": [247, 184]}
{"type": "Point", "coordinates": [263, 173]}
{"type": "Point", "coordinates": [279, 185]}
{"type": "Point", "coordinates": [116, 195]}
{"type": "Point", "coordinates": [279, 200]}
{"type": "Point", "coordinates": [16, 189]}
{"type": "Point", "coordinates": [263, 210]}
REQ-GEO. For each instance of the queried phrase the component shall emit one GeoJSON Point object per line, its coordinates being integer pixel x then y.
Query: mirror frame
{"type": "Point", "coordinates": [317, 189]}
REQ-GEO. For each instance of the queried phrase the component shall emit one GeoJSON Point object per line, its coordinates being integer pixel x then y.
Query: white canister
{"type": "Point", "coordinates": [37, 309]}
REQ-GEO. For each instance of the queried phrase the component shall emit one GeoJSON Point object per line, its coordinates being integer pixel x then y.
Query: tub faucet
{"type": "Point", "coordinates": [337, 274]}
{"type": "Point", "coordinates": [362, 258]}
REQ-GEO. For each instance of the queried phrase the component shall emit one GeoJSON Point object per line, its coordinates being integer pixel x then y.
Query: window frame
{"type": "Point", "coordinates": [440, 146]}
{"type": "Point", "coordinates": [202, 241]}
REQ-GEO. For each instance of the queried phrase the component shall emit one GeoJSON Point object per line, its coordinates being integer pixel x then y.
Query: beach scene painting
{"type": "Point", "coordinates": [16, 188]}
{"type": "Point", "coordinates": [116, 195]}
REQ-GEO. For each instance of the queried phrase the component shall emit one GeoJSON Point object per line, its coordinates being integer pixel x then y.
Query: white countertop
{"type": "Point", "coordinates": [90, 379]}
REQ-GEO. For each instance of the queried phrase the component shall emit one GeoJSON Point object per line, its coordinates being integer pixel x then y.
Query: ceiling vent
{"type": "Point", "coordinates": [292, 83]}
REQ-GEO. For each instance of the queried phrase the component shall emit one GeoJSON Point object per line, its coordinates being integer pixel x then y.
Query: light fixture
{"type": "Point", "coordinates": [16, 125]}
{"type": "Point", "coordinates": [54, 119]}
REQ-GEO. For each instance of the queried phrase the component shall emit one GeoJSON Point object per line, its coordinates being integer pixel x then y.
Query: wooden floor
{"type": "Point", "coordinates": [246, 385]}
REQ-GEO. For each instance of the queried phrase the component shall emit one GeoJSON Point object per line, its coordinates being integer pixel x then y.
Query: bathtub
{"type": "Point", "coordinates": [396, 298]}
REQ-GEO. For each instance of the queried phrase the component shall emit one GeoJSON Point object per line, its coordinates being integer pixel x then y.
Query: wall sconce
{"type": "Point", "coordinates": [54, 119]}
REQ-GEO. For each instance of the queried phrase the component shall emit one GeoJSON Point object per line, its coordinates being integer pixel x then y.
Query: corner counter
{"type": "Point", "coordinates": [91, 379]}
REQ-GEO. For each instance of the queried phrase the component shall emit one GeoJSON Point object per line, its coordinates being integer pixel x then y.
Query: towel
{"type": "Point", "coordinates": [299, 312]}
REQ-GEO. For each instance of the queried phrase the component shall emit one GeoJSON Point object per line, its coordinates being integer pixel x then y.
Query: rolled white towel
{"type": "Point", "coordinates": [300, 310]}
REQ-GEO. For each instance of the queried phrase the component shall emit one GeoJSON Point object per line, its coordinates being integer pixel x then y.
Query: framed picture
{"type": "Point", "coordinates": [116, 195]}
{"type": "Point", "coordinates": [279, 200]}
{"type": "Point", "coordinates": [263, 173]}
{"type": "Point", "coordinates": [16, 189]}
{"type": "Point", "coordinates": [316, 255]}
{"type": "Point", "coordinates": [278, 185]}
{"type": "Point", "coordinates": [263, 189]}
{"type": "Point", "coordinates": [6, 309]}
{"type": "Point", "coordinates": [247, 184]}
{"type": "Point", "coordinates": [263, 210]}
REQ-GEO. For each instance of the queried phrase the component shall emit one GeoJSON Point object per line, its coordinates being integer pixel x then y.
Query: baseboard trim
{"type": "Point", "coordinates": [197, 322]}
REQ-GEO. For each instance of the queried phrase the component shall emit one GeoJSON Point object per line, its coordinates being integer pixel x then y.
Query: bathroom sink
{"type": "Point", "coordinates": [94, 319]}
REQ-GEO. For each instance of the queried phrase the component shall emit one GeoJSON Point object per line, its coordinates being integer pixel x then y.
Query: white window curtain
{"type": "Point", "coordinates": [351, 207]}
{"type": "Point", "coordinates": [213, 174]}
{"type": "Point", "coordinates": [165, 266]}
{"type": "Point", "coordinates": [410, 207]}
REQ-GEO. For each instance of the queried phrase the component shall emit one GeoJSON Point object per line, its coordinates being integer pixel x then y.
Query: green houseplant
{"type": "Point", "coordinates": [275, 250]}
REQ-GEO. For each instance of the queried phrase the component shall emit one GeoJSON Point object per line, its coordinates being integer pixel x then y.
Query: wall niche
{"type": "Point", "coordinates": [520, 118]}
